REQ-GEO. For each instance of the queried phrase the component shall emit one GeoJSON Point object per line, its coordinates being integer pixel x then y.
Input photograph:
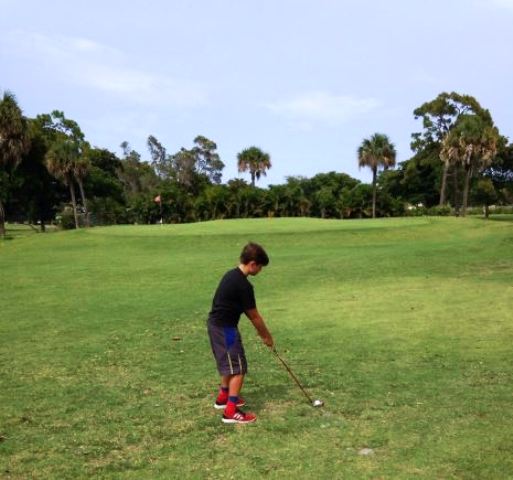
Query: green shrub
{"type": "Point", "coordinates": [415, 210]}
{"type": "Point", "coordinates": [65, 219]}
{"type": "Point", "coordinates": [501, 209]}
{"type": "Point", "coordinates": [439, 211]}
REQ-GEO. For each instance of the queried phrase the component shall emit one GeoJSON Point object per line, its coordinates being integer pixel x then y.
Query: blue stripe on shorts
{"type": "Point", "coordinates": [230, 334]}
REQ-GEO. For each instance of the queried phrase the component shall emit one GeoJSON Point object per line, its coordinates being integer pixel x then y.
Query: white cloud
{"type": "Point", "coordinates": [90, 64]}
{"type": "Point", "coordinates": [314, 107]}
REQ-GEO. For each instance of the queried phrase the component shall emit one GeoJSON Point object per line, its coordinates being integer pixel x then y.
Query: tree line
{"type": "Point", "coordinates": [49, 172]}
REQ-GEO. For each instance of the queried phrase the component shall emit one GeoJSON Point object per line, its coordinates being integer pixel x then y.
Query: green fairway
{"type": "Point", "coordinates": [404, 327]}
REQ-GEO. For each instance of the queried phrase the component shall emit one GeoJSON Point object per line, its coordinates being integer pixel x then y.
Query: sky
{"type": "Point", "coordinates": [305, 81]}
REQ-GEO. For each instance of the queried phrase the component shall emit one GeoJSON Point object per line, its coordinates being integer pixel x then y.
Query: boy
{"type": "Point", "coordinates": [233, 296]}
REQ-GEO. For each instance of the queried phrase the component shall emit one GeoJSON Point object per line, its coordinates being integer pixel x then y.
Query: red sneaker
{"type": "Point", "coordinates": [221, 402]}
{"type": "Point", "coordinates": [239, 417]}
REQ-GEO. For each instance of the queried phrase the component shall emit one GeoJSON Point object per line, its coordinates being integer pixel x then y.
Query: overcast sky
{"type": "Point", "coordinates": [306, 81]}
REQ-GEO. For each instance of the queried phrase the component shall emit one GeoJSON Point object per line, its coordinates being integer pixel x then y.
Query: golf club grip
{"type": "Point", "coordinates": [292, 375]}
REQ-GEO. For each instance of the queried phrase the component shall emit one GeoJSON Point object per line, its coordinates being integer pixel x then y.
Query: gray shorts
{"type": "Point", "coordinates": [228, 350]}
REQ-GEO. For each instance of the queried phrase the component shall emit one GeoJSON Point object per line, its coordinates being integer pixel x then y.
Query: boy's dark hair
{"type": "Point", "coordinates": [253, 252]}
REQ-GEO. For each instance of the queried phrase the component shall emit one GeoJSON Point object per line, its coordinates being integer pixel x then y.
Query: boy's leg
{"type": "Point", "coordinates": [235, 385]}
{"type": "Point", "coordinates": [231, 386]}
{"type": "Point", "coordinates": [232, 366]}
{"type": "Point", "coordinates": [231, 413]}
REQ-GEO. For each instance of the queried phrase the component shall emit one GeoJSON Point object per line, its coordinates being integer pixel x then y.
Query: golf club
{"type": "Point", "coordinates": [314, 403]}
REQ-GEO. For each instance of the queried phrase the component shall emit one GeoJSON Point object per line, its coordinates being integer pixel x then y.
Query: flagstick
{"type": "Point", "coordinates": [158, 199]}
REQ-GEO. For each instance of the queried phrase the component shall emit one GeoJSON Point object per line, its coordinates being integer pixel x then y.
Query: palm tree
{"type": "Point", "coordinates": [60, 161]}
{"type": "Point", "coordinates": [254, 160]}
{"type": "Point", "coordinates": [449, 155]}
{"type": "Point", "coordinates": [446, 157]}
{"type": "Point", "coordinates": [374, 153]}
{"type": "Point", "coordinates": [14, 140]}
{"type": "Point", "coordinates": [81, 168]}
{"type": "Point", "coordinates": [472, 143]}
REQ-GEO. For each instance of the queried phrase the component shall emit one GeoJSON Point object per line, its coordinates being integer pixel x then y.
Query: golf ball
{"type": "Point", "coordinates": [318, 403]}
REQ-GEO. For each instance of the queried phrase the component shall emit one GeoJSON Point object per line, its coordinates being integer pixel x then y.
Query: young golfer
{"type": "Point", "coordinates": [234, 296]}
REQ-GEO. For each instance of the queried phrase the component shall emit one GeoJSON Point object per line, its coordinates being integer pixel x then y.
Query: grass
{"type": "Point", "coordinates": [402, 326]}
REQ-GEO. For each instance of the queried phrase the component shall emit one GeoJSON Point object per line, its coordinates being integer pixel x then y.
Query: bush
{"type": "Point", "coordinates": [415, 210]}
{"type": "Point", "coordinates": [65, 219]}
{"type": "Point", "coordinates": [501, 209]}
{"type": "Point", "coordinates": [493, 209]}
{"type": "Point", "coordinates": [106, 211]}
{"type": "Point", "coordinates": [439, 211]}
{"type": "Point", "coordinates": [479, 210]}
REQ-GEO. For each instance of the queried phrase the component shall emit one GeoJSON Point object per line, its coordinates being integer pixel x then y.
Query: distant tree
{"type": "Point", "coordinates": [67, 154]}
{"type": "Point", "coordinates": [413, 182]}
{"type": "Point", "coordinates": [501, 173]}
{"type": "Point", "coordinates": [14, 142]}
{"type": "Point", "coordinates": [216, 198]}
{"type": "Point", "coordinates": [129, 171]}
{"type": "Point", "coordinates": [102, 179]}
{"type": "Point", "coordinates": [237, 191]}
{"type": "Point", "coordinates": [376, 152]}
{"type": "Point", "coordinates": [208, 161]}
{"type": "Point", "coordinates": [255, 161]}
{"type": "Point", "coordinates": [106, 201]}
{"type": "Point", "coordinates": [296, 201]}
{"type": "Point", "coordinates": [325, 200]}
{"type": "Point", "coordinates": [472, 143]}
{"type": "Point", "coordinates": [38, 193]}
{"type": "Point", "coordinates": [104, 160]}
{"type": "Point", "coordinates": [275, 200]}
{"type": "Point", "coordinates": [356, 201]}
{"type": "Point", "coordinates": [60, 161]}
{"type": "Point", "coordinates": [81, 168]}
{"type": "Point", "coordinates": [137, 177]}
{"type": "Point", "coordinates": [485, 194]}
{"type": "Point", "coordinates": [193, 168]}
{"type": "Point", "coordinates": [125, 148]}
{"type": "Point", "coordinates": [184, 167]}
{"type": "Point", "coordinates": [159, 159]}
{"type": "Point", "coordinates": [439, 116]}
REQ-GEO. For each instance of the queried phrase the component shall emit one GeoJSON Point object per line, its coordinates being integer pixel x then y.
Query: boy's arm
{"type": "Point", "coordinates": [259, 324]}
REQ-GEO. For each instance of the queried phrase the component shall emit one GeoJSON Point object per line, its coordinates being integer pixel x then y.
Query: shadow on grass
{"type": "Point", "coordinates": [260, 395]}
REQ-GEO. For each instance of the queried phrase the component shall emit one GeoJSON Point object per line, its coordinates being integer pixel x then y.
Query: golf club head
{"type": "Point", "coordinates": [317, 403]}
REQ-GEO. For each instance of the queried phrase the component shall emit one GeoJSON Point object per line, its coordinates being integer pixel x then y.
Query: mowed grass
{"type": "Point", "coordinates": [404, 327]}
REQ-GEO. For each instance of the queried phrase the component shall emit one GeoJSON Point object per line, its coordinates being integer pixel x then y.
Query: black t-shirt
{"type": "Point", "coordinates": [233, 296]}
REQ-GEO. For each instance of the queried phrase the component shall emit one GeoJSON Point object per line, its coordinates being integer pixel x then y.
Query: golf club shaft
{"type": "Point", "coordinates": [292, 375]}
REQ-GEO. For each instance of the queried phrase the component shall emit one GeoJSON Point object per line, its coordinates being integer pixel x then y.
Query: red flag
{"type": "Point", "coordinates": [157, 199]}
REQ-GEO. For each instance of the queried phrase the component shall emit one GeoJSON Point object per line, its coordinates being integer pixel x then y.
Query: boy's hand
{"type": "Point", "coordinates": [268, 340]}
